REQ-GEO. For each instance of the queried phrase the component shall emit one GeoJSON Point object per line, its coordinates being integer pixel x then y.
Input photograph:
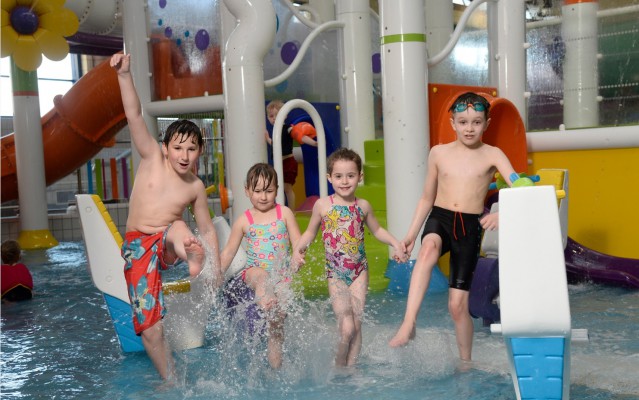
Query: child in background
{"type": "Point", "coordinates": [266, 232]}
{"type": "Point", "coordinates": [459, 174]}
{"type": "Point", "coordinates": [156, 236]}
{"type": "Point", "coordinates": [16, 280]}
{"type": "Point", "coordinates": [289, 163]}
{"type": "Point", "coordinates": [342, 217]}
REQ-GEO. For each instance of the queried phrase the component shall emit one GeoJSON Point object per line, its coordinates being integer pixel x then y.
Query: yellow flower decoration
{"type": "Point", "coordinates": [31, 28]}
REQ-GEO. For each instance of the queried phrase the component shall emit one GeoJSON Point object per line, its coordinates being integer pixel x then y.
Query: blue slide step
{"type": "Point", "coordinates": [122, 321]}
{"type": "Point", "coordinates": [539, 363]}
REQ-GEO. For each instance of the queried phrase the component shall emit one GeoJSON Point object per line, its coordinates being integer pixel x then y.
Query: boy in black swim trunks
{"type": "Point", "coordinates": [459, 174]}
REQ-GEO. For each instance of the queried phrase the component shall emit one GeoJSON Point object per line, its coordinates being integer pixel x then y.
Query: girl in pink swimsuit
{"type": "Point", "coordinates": [342, 217]}
{"type": "Point", "coordinates": [267, 232]}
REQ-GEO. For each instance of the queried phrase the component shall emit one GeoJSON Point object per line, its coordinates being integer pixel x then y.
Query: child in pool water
{"type": "Point", "coordinates": [266, 232]}
{"type": "Point", "coordinates": [341, 217]}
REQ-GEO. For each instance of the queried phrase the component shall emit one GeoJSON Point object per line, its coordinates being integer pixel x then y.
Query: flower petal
{"type": "Point", "coordinates": [53, 46]}
{"type": "Point", "coordinates": [63, 22]}
{"type": "Point", "coordinates": [26, 3]}
{"type": "Point", "coordinates": [6, 18]}
{"type": "Point", "coordinates": [8, 5]}
{"type": "Point", "coordinates": [27, 53]}
{"type": "Point", "coordinates": [43, 7]}
{"type": "Point", "coordinates": [8, 37]}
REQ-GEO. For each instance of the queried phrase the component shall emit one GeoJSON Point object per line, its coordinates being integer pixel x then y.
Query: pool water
{"type": "Point", "coordinates": [62, 345]}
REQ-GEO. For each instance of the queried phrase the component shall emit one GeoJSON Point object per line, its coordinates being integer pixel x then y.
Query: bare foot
{"type": "Point", "coordinates": [405, 333]}
{"type": "Point", "coordinates": [194, 255]}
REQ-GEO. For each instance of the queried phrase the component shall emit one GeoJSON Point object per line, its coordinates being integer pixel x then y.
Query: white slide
{"type": "Point", "coordinates": [188, 301]}
{"type": "Point", "coordinates": [535, 311]}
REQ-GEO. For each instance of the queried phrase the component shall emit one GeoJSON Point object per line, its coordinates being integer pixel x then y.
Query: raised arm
{"type": "Point", "coordinates": [144, 142]}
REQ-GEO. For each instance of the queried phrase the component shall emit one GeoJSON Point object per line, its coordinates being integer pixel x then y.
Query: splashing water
{"type": "Point", "coordinates": [62, 345]}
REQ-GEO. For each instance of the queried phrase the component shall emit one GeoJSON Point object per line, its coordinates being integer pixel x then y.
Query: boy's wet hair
{"type": "Point", "coordinates": [261, 171]}
{"type": "Point", "coordinates": [184, 130]}
{"type": "Point", "coordinates": [471, 98]}
{"type": "Point", "coordinates": [343, 154]}
{"type": "Point", "coordinates": [10, 252]}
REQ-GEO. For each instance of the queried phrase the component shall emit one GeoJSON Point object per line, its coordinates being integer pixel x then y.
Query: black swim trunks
{"type": "Point", "coordinates": [461, 235]}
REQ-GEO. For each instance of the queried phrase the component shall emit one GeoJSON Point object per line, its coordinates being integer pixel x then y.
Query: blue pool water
{"type": "Point", "coordinates": [61, 345]}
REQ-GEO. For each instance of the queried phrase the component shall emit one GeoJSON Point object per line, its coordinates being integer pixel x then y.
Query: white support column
{"type": "Point", "coordinates": [136, 43]}
{"type": "Point", "coordinates": [405, 102]}
{"type": "Point", "coordinates": [439, 29]}
{"type": "Point", "coordinates": [357, 117]}
{"type": "Point", "coordinates": [29, 156]}
{"type": "Point", "coordinates": [243, 77]}
{"type": "Point", "coordinates": [581, 72]}
{"type": "Point", "coordinates": [507, 44]}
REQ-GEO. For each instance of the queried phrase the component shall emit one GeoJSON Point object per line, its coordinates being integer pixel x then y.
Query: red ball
{"type": "Point", "coordinates": [303, 129]}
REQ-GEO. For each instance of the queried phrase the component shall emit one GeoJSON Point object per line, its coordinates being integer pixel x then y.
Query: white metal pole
{"type": "Point", "coordinates": [439, 29]}
{"type": "Point", "coordinates": [32, 188]}
{"type": "Point", "coordinates": [404, 97]}
{"type": "Point", "coordinates": [581, 76]}
{"type": "Point", "coordinates": [243, 79]}
{"type": "Point", "coordinates": [507, 42]}
{"type": "Point", "coordinates": [356, 72]}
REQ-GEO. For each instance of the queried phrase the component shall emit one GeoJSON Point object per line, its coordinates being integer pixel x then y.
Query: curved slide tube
{"type": "Point", "coordinates": [81, 123]}
{"type": "Point", "coordinates": [583, 264]}
{"type": "Point", "coordinates": [188, 301]}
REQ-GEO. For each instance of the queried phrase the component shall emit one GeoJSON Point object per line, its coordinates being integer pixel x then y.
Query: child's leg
{"type": "Point", "coordinates": [290, 195]}
{"type": "Point", "coordinates": [458, 308]}
{"type": "Point", "coordinates": [158, 350]}
{"type": "Point", "coordinates": [276, 339]}
{"type": "Point", "coordinates": [257, 279]}
{"type": "Point", "coordinates": [181, 243]}
{"type": "Point", "coordinates": [342, 307]}
{"type": "Point", "coordinates": [419, 280]}
{"type": "Point", "coordinates": [358, 290]}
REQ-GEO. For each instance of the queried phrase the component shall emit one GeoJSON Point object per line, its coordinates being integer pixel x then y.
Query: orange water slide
{"type": "Point", "coordinates": [82, 122]}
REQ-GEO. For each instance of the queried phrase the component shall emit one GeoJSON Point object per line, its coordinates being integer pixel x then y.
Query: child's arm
{"type": "Point", "coordinates": [294, 233]}
{"type": "Point", "coordinates": [490, 221]}
{"type": "Point", "coordinates": [233, 244]}
{"type": "Point", "coordinates": [503, 165]}
{"type": "Point", "coordinates": [382, 234]}
{"type": "Point", "coordinates": [144, 142]}
{"type": "Point", "coordinates": [425, 203]}
{"type": "Point", "coordinates": [206, 228]}
{"type": "Point", "coordinates": [309, 141]}
{"type": "Point", "coordinates": [307, 237]}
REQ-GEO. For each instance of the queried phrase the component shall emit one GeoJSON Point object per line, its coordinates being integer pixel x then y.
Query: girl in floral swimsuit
{"type": "Point", "coordinates": [266, 232]}
{"type": "Point", "coordinates": [342, 217]}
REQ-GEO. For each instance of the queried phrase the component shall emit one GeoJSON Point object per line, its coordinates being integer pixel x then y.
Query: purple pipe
{"type": "Point", "coordinates": [584, 264]}
{"type": "Point", "coordinates": [95, 45]}
{"type": "Point", "coordinates": [96, 40]}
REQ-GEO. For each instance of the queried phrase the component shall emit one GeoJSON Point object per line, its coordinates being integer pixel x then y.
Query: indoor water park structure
{"type": "Point", "coordinates": [562, 78]}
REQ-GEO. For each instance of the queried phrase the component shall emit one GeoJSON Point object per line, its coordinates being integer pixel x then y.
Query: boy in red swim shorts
{"type": "Point", "coordinates": [164, 187]}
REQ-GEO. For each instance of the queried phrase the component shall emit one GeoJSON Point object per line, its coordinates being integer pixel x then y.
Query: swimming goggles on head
{"type": "Point", "coordinates": [461, 107]}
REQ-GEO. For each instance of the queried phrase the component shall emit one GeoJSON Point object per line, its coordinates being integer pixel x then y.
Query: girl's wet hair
{"type": "Point", "coordinates": [185, 130]}
{"type": "Point", "coordinates": [261, 171]}
{"type": "Point", "coordinates": [343, 154]}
